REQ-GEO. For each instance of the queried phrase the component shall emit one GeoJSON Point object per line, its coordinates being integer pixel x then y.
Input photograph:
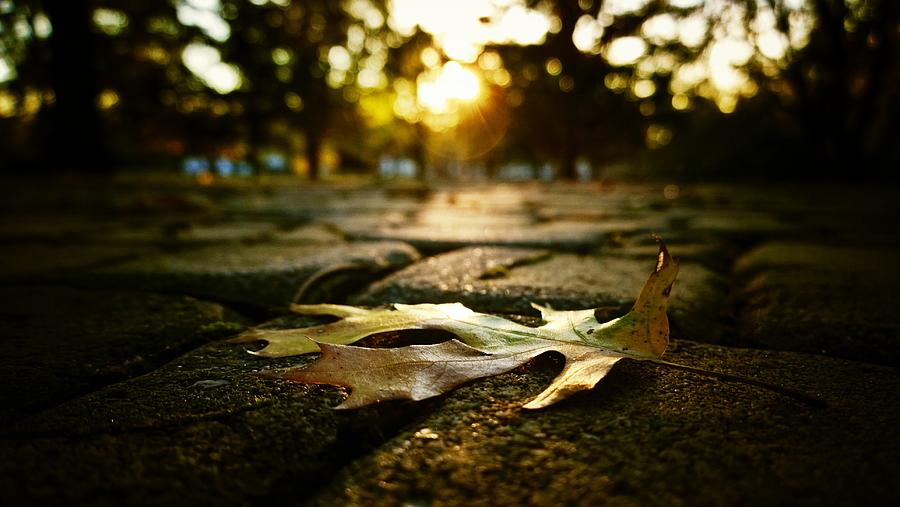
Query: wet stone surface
{"type": "Point", "coordinates": [821, 299]}
{"type": "Point", "coordinates": [744, 226]}
{"type": "Point", "coordinates": [714, 255]}
{"type": "Point", "coordinates": [571, 236]}
{"type": "Point", "coordinates": [215, 379]}
{"type": "Point", "coordinates": [452, 277]}
{"type": "Point", "coordinates": [646, 436]}
{"type": "Point", "coordinates": [44, 227]}
{"type": "Point", "coordinates": [317, 233]}
{"type": "Point", "coordinates": [315, 204]}
{"type": "Point", "coordinates": [119, 388]}
{"type": "Point", "coordinates": [183, 233]}
{"type": "Point", "coordinates": [451, 220]}
{"type": "Point", "coordinates": [256, 276]}
{"type": "Point", "coordinates": [60, 342]}
{"type": "Point", "coordinates": [30, 261]}
{"type": "Point", "coordinates": [203, 428]}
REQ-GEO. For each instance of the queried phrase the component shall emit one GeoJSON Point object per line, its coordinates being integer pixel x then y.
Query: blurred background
{"type": "Point", "coordinates": [462, 90]}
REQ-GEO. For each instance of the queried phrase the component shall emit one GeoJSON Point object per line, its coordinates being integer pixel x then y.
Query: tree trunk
{"type": "Point", "coordinates": [567, 171]}
{"type": "Point", "coordinates": [567, 116]}
{"type": "Point", "coordinates": [874, 111]}
{"type": "Point", "coordinates": [76, 135]}
{"type": "Point", "coordinates": [313, 154]}
{"type": "Point", "coordinates": [420, 153]}
{"type": "Point", "coordinates": [255, 140]}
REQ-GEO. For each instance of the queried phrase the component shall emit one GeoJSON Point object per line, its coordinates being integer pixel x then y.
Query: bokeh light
{"type": "Point", "coordinates": [440, 90]}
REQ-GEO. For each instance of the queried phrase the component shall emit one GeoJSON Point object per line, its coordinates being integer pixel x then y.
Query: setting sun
{"type": "Point", "coordinates": [438, 90]}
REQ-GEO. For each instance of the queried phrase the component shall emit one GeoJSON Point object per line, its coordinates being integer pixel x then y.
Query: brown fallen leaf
{"type": "Point", "coordinates": [487, 345]}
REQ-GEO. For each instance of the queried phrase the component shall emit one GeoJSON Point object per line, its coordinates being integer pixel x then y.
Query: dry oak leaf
{"type": "Point", "coordinates": [487, 345]}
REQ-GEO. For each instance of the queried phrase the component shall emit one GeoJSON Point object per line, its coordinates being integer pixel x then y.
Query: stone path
{"type": "Point", "coordinates": [119, 387]}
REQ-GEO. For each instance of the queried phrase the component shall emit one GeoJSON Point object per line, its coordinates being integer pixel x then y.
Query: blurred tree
{"type": "Point", "coordinates": [844, 86]}
{"type": "Point", "coordinates": [277, 49]}
{"type": "Point", "coordinates": [24, 81]}
{"type": "Point", "coordinates": [820, 75]}
{"type": "Point", "coordinates": [779, 85]}
{"type": "Point", "coordinates": [48, 50]}
{"type": "Point", "coordinates": [154, 106]}
{"type": "Point", "coordinates": [403, 68]}
{"type": "Point", "coordinates": [300, 66]}
{"type": "Point", "coordinates": [76, 140]}
{"type": "Point", "coordinates": [560, 85]}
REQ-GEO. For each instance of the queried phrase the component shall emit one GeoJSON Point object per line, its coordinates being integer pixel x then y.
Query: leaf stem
{"type": "Point", "coordinates": [787, 391]}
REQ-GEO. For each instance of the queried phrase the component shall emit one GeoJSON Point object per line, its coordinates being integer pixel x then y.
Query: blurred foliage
{"type": "Point", "coordinates": [664, 88]}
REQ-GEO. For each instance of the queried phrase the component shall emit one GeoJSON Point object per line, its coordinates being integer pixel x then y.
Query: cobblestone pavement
{"type": "Point", "coordinates": [119, 388]}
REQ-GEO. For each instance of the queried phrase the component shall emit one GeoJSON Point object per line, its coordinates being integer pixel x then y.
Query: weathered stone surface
{"type": "Point", "coordinates": [586, 200]}
{"type": "Point", "coordinates": [307, 203]}
{"type": "Point", "coordinates": [453, 277]}
{"type": "Point", "coordinates": [569, 236]}
{"type": "Point", "coordinates": [308, 234]}
{"type": "Point", "coordinates": [237, 460]}
{"type": "Point", "coordinates": [507, 216]}
{"type": "Point", "coordinates": [217, 379]}
{"type": "Point", "coordinates": [226, 232]}
{"type": "Point", "coordinates": [61, 342]}
{"type": "Point", "coordinates": [747, 226]}
{"type": "Point", "coordinates": [647, 435]}
{"type": "Point", "coordinates": [204, 428]}
{"type": "Point", "coordinates": [185, 233]}
{"type": "Point", "coordinates": [508, 280]}
{"type": "Point", "coordinates": [716, 256]}
{"type": "Point", "coordinates": [491, 199]}
{"type": "Point", "coordinates": [353, 225]}
{"type": "Point", "coordinates": [29, 260]}
{"type": "Point", "coordinates": [821, 299]}
{"type": "Point", "coordinates": [453, 216]}
{"type": "Point", "coordinates": [791, 256]}
{"type": "Point", "coordinates": [511, 216]}
{"type": "Point", "coordinates": [42, 228]}
{"type": "Point", "coordinates": [259, 276]}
